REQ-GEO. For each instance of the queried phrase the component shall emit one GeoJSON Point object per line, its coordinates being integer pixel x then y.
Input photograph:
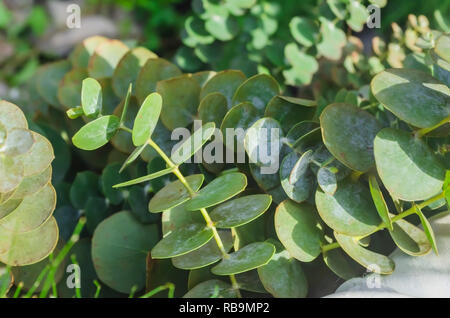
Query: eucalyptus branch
{"type": "Point", "coordinates": [174, 169]}
{"type": "Point", "coordinates": [396, 218]}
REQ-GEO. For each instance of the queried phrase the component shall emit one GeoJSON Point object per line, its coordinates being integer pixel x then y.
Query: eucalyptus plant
{"type": "Point", "coordinates": [331, 178]}
{"type": "Point", "coordinates": [344, 176]}
{"type": "Point", "coordinates": [28, 231]}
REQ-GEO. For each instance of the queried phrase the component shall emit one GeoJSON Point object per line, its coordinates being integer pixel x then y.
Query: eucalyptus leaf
{"type": "Point", "coordinates": [350, 210]}
{"type": "Point", "coordinates": [427, 229]}
{"type": "Point", "coordinates": [240, 211]}
{"type": "Point", "coordinates": [146, 119]}
{"type": "Point", "coordinates": [182, 241]}
{"type": "Point", "coordinates": [174, 194]}
{"type": "Point", "coordinates": [119, 250]}
{"type": "Point", "coordinates": [96, 133]}
{"type": "Point", "coordinates": [380, 204]}
{"type": "Point", "coordinates": [283, 276]}
{"type": "Point", "coordinates": [218, 190]}
{"type": "Point", "coordinates": [91, 97]}
{"type": "Point", "coordinates": [348, 132]}
{"type": "Point", "coordinates": [299, 230]}
{"type": "Point", "coordinates": [377, 263]}
{"type": "Point", "coordinates": [247, 258]}
{"type": "Point", "coordinates": [414, 96]}
{"type": "Point", "coordinates": [403, 160]}
{"type": "Point", "coordinates": [206, 255]}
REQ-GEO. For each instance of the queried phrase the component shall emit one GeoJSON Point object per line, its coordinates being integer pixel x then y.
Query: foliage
{"type": "Point", "coordinates": [29, 232]}
{"type": "Point", "coordinates": [353, 163]}
{"type": "Point", "coordinates": [327, 157]}
{"type": "Point", "coordinates": [18, 56]}
{"type": "Point", "coordinates": [286, 39]}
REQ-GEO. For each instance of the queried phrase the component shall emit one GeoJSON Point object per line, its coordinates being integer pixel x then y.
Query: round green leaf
{"type": "Point", "coordinates": [408, 168]}
{"type": "Point", "coordinates": [180, 97]}
{"type": "Point", "coordinates": [283, 276]}
{"type": "Point", "coordinates": [48, 78]}
{"type": "Point", "coordinates": [119, 250]}
{"type": "Point", "coordinates": [413, 96]}
{"type": "Point", "coordinates": [91, 97]}
{"type": "Point", "coordinates": [33, 211]}
{"type": "Point", "coordinates": [110, 177]}
{"type": "Point", "coordinates": [83, 51]}
{"type": "Point", "coordinates": [298, 228]}
{"type": "Point", "coordinates": [240, 211]}
{"type": "Point", "coordinates": [9, 206]}
{"type": "Point", "coordinates": [182, 241]}
{"type": "Point", "coordinates": [85, 185]}
{"type": "Point", "coordinates": [240, 116]}
{"type": "Point", "coordinates": [299, 130]}
{"type": "Point", "coordinates": [258, 89]}
{"type": "Point", "coordinates": [105, 58]}
{"type": "Point", "coordinates": [213, 108]}
{"type": "Point", "coordinates": [178, 217]}
{"type": "Point", "coordinates": [377, 263]}
{"type": "Point", "coordinates": [128, 69]}
{"type": "Point", "coordinates": [39, 157]}
{"type": "Point", "coordinates": [262, 141]}
{"type": "Point", "coordinates": [348, 132]}
{"type": "Point", "coordinates": [301, 167]}
{"type": "Point", "coordinates": [154, 71]}
{"type": "Point", "coordinates": [302, 188]}
{"type": "Point", "coordinates": [218, 190]}
{"type": "Point", "coordinates": [341, 264]}
{"type": "Point", "coordinates": [11, 173]}
{"type": "Point", "coordinates": [96, 133]}
{"type": "Point", "coordinates": [28, 247]}
{"type": "Point", "coordinates": [289, 111]}
{"type": "Point", "coordinates": [11, 116]}
{"type": "Point", "coordinates": [70, 87]}
{"type": "Point", "coordinates": [206, 255]}
{"type": "Point", "coordinates": [409, 238]}
{"type": "Point", "coordinates": [327, 180]}
{"type": "Point", "coordinates": [247, 258]}
{"type": "Point", "coordinates": [174, 194]}
{"type": "Point", "coordinates": [225, 82]}
{"type": "Point", "coordinates": [350, 210]}
{"type": "Point", "coordinates": [18, 142]}
{"type": "Point", "coordinates": [146, 119]}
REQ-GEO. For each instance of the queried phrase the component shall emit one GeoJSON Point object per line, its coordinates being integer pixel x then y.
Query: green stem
{"type": "Point", "coordinates": [205, 214]}
{"type": "Point", "coordinates": [423, 131]}
{"type": "Point", "coordinates": [382, 226]}
{"type": "Point", "coordinates": [123, 127]}
{"type": "Point", "coordinates": [162, 154]}
{"type": "Point", "coordinates": [153, 292]}
{"type": "Point", "coordinates": [328, 247]}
